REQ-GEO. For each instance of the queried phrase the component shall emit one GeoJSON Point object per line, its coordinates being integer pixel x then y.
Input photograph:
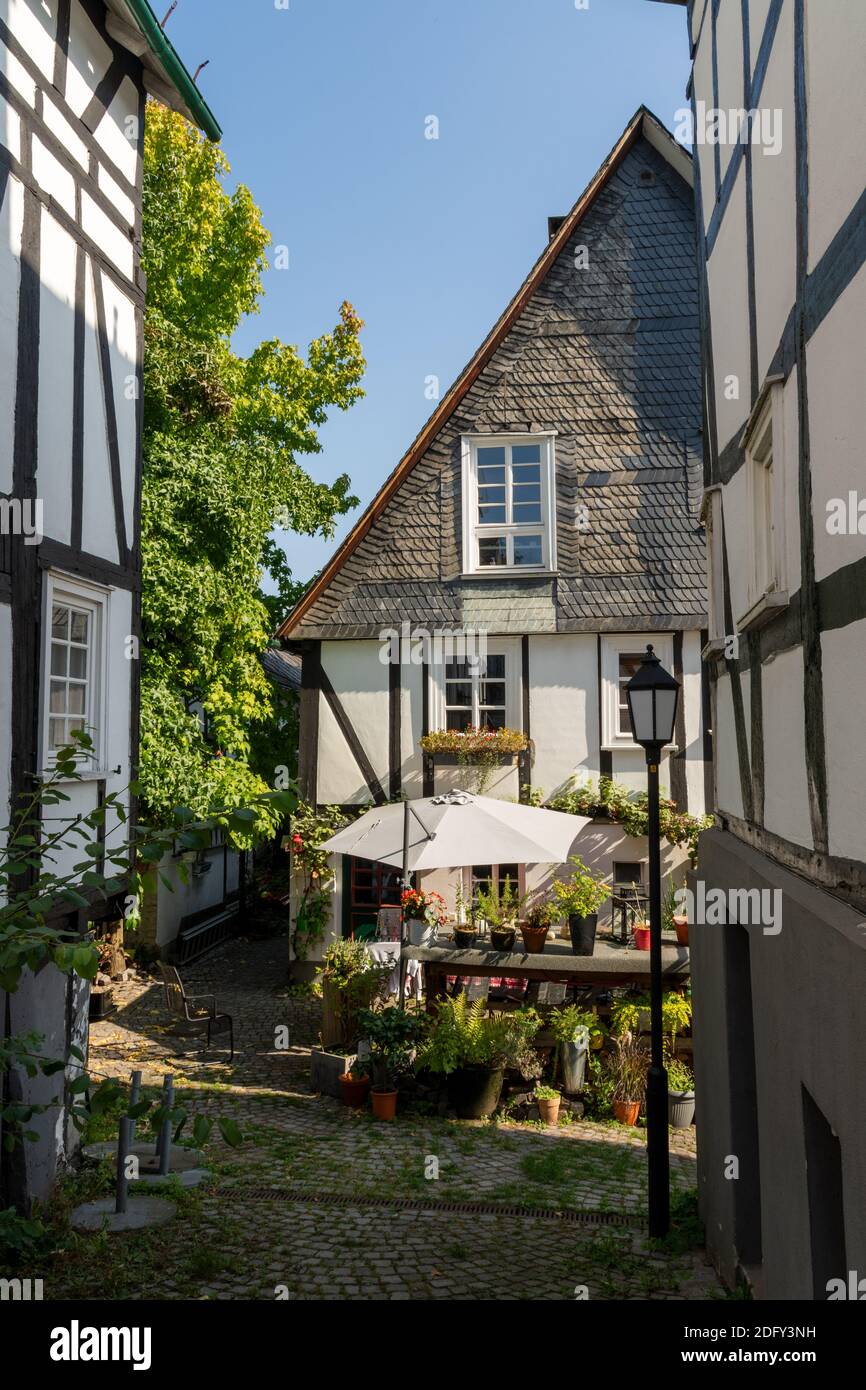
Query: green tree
{"type": "Point", "coordinates": [223, 435]}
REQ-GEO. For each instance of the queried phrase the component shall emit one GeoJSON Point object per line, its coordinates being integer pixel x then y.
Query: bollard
{"type": "Point", "coordinates": [165, 1130]}
{"type": "Point", "coordinates": [134, 1096]}
{"type": "Point", "coordinates": [123, 1146]}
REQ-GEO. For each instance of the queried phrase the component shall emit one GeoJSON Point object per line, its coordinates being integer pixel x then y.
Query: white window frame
{"type": "Point", "coordinates": [763, 439]}
{"type": "Point", "coordinates": [473, 531]}
{"type": "Point", "coordinates": [507, 647]}
{"type": "Point", "coordinates": [61, 588]}
{"type": "Point", "coordinates": [613, 646]}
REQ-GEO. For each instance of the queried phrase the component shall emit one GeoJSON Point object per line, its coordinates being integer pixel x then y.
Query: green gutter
{"type": "Point", "coordinates": [164, 51]}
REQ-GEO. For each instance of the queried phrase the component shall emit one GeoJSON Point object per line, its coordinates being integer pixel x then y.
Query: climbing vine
{"type": "Point", "coordinates": [612, 801]}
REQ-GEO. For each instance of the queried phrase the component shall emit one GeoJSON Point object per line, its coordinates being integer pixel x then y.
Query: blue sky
{"type": "Point", "coordinates": [323, 108]}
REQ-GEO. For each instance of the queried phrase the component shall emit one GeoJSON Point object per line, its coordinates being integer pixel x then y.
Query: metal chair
{"type": "Point", "coordinates": [191, 1008]}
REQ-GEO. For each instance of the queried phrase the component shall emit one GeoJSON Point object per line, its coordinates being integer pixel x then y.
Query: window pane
{"type": "Point", "coordinates": [79, 626]}
{"type": "Point", "coordinates": [488, 495]}
{"type": "Point", "coordinates": [492, 550]}
{"type": "Point", "coordinates": [58, 697]}
{"type": "Point", "coordinates": [56, 736]}
{"type": "Point", "coordinates": [491, 718]}
{"type": "Point", "coordinates": [629, 664]}
{"type": "Point", "coordinates": [526, 453]}
{"type": "Point", "coordinates": [458, 693]}
{"type": "Point", "coordinates": [489, 475]}
{"type": "Point", "coordinates": [492, 693]}
{"type": "Point", "coordinates": [526, 513]}
{"type": "Point", "coordinates": [58, 659]}
{"type": "Point", "coordinates": [78, 662]}
{"type": "Point", "coordinates": [75, 699]}
{"type": "Point", "coordinates": [508, 871]}
{"type": "Point", "coordinates": [492, 455]}
{"type": "Point", "coordinates": [493, 516]}
{"type": "Point", "coordinates": [527, 473]}
{"type": "Point", "coordinates": [527, 550]}
{"type": "Point", "coordinates": [456, 671]}
{"type": "Point", "coordinates": [458, 719]}
{"type": "Point", "coordinates": [494, 667]}
{"type": "Point", "coordinates": [526, 492]}
{"type": "Point", "coordinates": [59, 621]}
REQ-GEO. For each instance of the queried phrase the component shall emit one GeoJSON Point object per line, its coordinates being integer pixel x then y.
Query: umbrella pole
{"type": "Point", "coordinates": [405, 884]}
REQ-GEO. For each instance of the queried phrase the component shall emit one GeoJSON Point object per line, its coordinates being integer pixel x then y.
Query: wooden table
{"type": "Point", "coordinates": [607, 967]}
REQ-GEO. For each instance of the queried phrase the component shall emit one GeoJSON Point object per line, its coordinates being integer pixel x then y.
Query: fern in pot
{"type": "Point", "coordinates": [472, 1049]}
{"type": "Point", "coordinates": [578, 898]}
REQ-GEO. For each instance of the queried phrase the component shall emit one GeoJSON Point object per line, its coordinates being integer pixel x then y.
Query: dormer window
{"type": "Point", "coordinates": [508, 504]}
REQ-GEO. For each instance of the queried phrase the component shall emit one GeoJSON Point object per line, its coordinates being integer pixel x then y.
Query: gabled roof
{"type": "Point", "coordinates": [134, 25]}
{"type": "Point", "coordinates": [643, 123]}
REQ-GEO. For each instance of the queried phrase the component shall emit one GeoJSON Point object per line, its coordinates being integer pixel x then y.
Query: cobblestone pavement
{"type": "Point", "coordinates": [325, 1202]}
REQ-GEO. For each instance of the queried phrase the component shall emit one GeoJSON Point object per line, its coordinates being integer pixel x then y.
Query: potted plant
{"type": "Point", "coordinates": [642, 936]}
{"type": "Point", "coordinates": [579, 898]}
{"type": "Point", "coordinates": [548, 1101]}
{"type": "Point", "coordinates": [424, 913]}
{"type": "Point", "coordinates": [681, 1094]}
{"type": "Point", "coordinates": [472, 1049]}
{"type": "Point", "coordinates": [627, 1066]}
{"type": "Point", "coordinates": [354, 1086]}
{"type": "Point", "coordinates": [500, 910]}
{"type": "Point", "coordinates": [572, 1028]}
{"type": "Point", "coordinates": [539, 920]}
{"type": "Point", "coordinates": [671, 919]}
{"type": "Point", "coordinates": [393, 1036]}
{"type": "Point", "coordinates": [351, 980]}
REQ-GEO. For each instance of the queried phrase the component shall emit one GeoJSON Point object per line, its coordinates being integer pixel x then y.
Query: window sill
{"type": "Point", "coordinates": [763, 611]}
{"type": "Point", "coordinates": [510, 572]}
{"type": "Point", "coordinates": [85, 774]}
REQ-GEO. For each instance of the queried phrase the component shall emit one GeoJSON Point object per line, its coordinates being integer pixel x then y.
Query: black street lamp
{"type": "Point", "coordinates": [652, 696]}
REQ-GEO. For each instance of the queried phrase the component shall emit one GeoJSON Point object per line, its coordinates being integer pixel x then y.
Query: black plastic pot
{"type": "Point", "coordinates": [474, 1091]}
{"type": "Point", "coordinates": [502, 938]}
{"type": "Point", "coordinates": [582, 933]}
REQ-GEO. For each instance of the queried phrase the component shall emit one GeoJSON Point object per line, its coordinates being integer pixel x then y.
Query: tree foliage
{"type": "Point", "coordinates": [223, 435]}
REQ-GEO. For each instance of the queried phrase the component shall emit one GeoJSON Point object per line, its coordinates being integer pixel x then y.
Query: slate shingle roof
{"type": "Point", "coordinates": [608, 357]}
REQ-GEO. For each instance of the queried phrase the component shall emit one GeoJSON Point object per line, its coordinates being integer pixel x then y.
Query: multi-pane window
{"type": "Point", "coordinates": [484, 875]}
{"type": "Point", "coordinates": [507, 522]}
{"type": "Point", "coordinates": [475, 693]}
{"type": "Point", "coordinates": [629, 664]}
{"type": "Point", "coordinates": [763, 523]}
{"type": "Point", "coordinates": [71, 676]}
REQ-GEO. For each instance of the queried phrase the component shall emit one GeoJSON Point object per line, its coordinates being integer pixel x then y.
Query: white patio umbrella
{"type": "Point", "coordinates": [457, 828]}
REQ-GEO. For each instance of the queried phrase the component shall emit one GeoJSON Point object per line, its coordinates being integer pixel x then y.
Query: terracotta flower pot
{"type": "Point", "coordinates": [534, 939]}
{"type": "Point", "coordinates": [681, 927]}
{"type": "Point", "coordinates": [384, 1104]}
{"type": "Point", "coordinates": [642, 938]}
{"type": "Point", "coordinates": [548, 1110]}
{"type": "Point", "coordinates": [354, 1090]}
{"type": "Point", "coordinates": [626, 1111]}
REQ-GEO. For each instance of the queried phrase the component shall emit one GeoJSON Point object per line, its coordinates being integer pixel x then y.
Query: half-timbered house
{"type": "Point", "coordinates": [74, 77]}
{"type": "Point", "coordinates": [780, 973]}
{"type": "Point", "coordinates": [551, 505]}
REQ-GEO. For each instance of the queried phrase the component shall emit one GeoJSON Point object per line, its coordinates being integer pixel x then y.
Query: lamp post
{"type": "Point", "coordinates": [652, 695]}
